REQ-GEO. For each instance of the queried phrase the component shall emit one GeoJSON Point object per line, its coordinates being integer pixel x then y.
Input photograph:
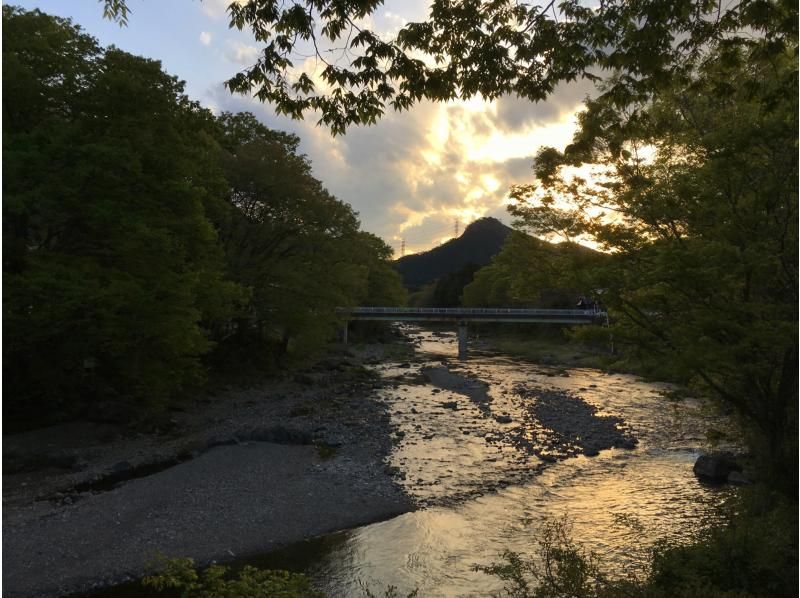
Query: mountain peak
{"type": "Point", "coordinates": [487, 223]}
{"type": "Point", "coordinates": [478, 244]}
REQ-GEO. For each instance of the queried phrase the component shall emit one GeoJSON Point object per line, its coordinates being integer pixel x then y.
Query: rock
{"type": "Point", "coordinates": [121, 468]}
{"type": "Point", "coordinates": [715, 467]}
{"type": "Point", "coordinates": [279, 435]}
{"type": "Point", "coordinates": [590, 451]}
{"type": "Point", "coordinates": [391, 470]}
{"type": "Point", "coordinates": [304, 379]}
{"type": "Point", "coordinates": [450, 405]}
{"type": "Point", "coordinates": [301, 411]}
{"type": "Point", "coordinates": [626, 442]}
{"type": "Point", "coordinates": [333, 442]}
{"type": "Point", "coordinates": [221, 441]}
{"type": "Point", "coordinates": [19, 460]}
{"type": "Point", "coordinates": [113, 412]}
{"type": "Point", "coordinates": [503, 419]}
{"type": "Point", "coordinates": [80, 465]}
{"type": "Point", "coordinates": [63, 459]}
{"type": "Point", "coordinates": [404, 365]}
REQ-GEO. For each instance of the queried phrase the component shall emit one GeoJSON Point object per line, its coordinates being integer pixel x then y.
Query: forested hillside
{"type": "Point", "coordinates": [530, 272]}
{"type": "Point", "coordinates": [147, 241]}
{"type": "Point", "coordinates": [479, 242]}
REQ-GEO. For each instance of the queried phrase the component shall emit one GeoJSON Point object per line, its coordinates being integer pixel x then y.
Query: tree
{"type": "Point", "coordinates": [473, 47]}
{"type": "Point", "coordinates": [112, 272]}
{"type": "Point", "coordinates": [698, 206]}
{"type": "Point", "coordinates": [530, 272]}
{"type": "Point", "coordinates": [384, 286]}
{"type": "Point", "coordinates": [296, 246]}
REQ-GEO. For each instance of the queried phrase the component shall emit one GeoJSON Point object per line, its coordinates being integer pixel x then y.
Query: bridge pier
{"type": "Point", "coordinates": [462, 339]}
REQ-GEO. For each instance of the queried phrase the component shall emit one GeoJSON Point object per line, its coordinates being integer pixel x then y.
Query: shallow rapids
{"type": "Point", "coordinates": [486, 475]}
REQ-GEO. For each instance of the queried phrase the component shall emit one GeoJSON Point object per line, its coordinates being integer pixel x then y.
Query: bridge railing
{"type": "Point", "coordinates": [465, 311]}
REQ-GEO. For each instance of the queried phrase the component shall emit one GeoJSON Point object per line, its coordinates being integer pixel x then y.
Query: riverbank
{"type": "Point", "coordinates": [240, 473]}
{"type": "Point", "coordinates": [551, 346]}
{"type": "Point", "coordinates": [340, 446]}
{"type": "Point", "coordinates": [547, 346]}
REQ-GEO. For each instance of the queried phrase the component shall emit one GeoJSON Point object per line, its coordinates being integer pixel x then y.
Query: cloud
{"type": "Point", "coordinates": [216, 9]}
{"type": "Point", "coordinates": [414, 173]}
{"type": "Point", "coordinates": [514, 113]}
{"type": "Point", "coordinates": [205, 38]}
{"type": "Point", "coordinates": [241, 53]}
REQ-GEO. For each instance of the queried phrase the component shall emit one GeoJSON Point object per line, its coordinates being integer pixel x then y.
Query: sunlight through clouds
{"type": "Point", "coordinates": [411, 176]}
{"type": "Point", "coordinates": [500, 147]}
{"type": "Point", "coordinates": [415, 173]}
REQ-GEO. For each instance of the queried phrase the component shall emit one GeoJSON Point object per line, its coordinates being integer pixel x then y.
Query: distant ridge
{"type": "Point", "coordinates": [478, 244]}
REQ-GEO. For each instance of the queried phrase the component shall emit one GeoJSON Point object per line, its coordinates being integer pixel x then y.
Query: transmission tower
{"type": "Point", "coordinates": [455, 228]}
{"type": "Point", "coordinates": [402, 247]}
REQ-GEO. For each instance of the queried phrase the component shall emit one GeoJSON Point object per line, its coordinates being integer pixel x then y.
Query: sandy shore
{"type": "Point", "coordinates": [222, 492]}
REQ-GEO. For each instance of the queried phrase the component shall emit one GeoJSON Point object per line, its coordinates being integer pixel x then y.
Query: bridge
{"type": "Point", "coordinates": [463, 315]}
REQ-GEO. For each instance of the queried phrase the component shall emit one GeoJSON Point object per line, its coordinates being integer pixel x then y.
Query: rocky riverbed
{"type": "Point", "coordinates": [88, 504]}
{"type": "Point", "coordinates": [359, 438]}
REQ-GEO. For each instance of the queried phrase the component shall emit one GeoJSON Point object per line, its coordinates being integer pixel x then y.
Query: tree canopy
{"type": "Point", "coordinates": [697, 203]}
{"type": "Point", "coordinates": [474, 47]}
{"type": "Point", "coordinates": [145, 239]}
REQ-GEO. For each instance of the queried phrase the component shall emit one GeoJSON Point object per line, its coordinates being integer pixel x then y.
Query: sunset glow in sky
{"type": "Point", "coordinates": [411, 175]}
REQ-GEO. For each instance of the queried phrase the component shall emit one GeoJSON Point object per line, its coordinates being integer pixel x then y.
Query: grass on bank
{"type": "Point", "coordinates": [755, 555]}
{"type": "Point", "coordinates": [180, 577]}
{"type": "Point", "coordinates": [543, 344]}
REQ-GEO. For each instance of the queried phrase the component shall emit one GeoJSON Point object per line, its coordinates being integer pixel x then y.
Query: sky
{"type": "Point", "coordinates": [415, 176]}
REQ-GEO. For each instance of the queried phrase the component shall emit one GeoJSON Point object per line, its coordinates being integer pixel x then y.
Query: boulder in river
{"type": "Point", "coordinates": [715, 467]}
{"type": "Point", "coordinates": [591, 451]}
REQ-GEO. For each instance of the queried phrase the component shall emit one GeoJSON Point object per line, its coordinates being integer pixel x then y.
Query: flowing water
{"type": "Point", "coordinates": [482, 493]}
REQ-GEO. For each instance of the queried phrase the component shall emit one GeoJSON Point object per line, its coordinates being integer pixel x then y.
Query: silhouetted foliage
{"type": "Point", "coordinates": [449, 288]}
{"type": "Point", "coordinates": [702, 230]}
{"type": "Point", "coordinates": [140, 232]}
{"type": "Point", "coordinates": [754, 556]}
{"type": "Point", "coordinates": [530, 272]}
{"type": "Point", "coordinates": [111, 266]}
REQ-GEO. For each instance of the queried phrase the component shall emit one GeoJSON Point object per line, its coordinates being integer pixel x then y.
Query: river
{"type": "Point", "coordinates": [480, 493]}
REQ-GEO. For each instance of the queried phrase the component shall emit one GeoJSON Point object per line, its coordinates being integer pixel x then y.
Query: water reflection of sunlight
{"type": "Point", "coordinates": [435, 549]}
